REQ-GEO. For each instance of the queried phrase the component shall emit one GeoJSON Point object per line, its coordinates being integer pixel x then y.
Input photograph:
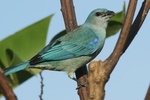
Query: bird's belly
{"type": "Point", "coordinates": [64, 65]}
{"type": "Point", "coordinates": [71, 64]}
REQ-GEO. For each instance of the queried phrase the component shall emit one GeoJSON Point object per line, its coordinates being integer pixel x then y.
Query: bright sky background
{"type": "Point", "coordinates": [129, 80]}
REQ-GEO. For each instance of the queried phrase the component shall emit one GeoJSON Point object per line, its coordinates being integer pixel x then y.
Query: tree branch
{"type": "Point", "coordinates": [99, 71]}
{"type": "Point", "coordinates": [96, 80]}
{"type": "Point", "coordinates": [137, 23]}
{"type": "Point", "coordinates": [5, 88]}
{"type": "Point", "coordinates": [147, 97]}
{"type": "Point", "coordinates": [112, 60]}
{"type": "Point", "coordinates": [70, 23]}
{"type": "Point", "coordinates": [68, 12]}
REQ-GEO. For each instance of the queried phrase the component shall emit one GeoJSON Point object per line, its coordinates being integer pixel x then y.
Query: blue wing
{"type": "Point", "coordinates": [74, 44]}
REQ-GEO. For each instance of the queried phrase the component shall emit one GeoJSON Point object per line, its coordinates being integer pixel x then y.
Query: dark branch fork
{"type": "Point", "coordinates": [99, 71]}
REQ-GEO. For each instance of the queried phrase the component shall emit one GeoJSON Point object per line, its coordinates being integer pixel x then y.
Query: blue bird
{"type": "Point", "coordinates": [73, 50]}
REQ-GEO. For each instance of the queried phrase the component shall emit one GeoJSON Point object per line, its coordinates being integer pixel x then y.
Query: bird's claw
{"type": "Point", "coordinates": [80, 84]}
{"type": "Point", "coordinates": [84, 84]}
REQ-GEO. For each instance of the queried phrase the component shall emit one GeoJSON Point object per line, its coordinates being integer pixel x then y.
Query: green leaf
{"type": "Point", "coordinates": [21, 46]}
{"type": "Point", "coordinates": [115, 23]}
{"type": "Point", "coordinates": [19, 77]}
{"type": "Point", "coordinates": [27, 42]}
{"type": "Point", "coordinates": [12, 58]}
{"type": "Point", "coordinates": [113, 28]}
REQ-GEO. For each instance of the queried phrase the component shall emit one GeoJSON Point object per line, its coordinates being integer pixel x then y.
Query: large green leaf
{"type": "Point", "coordinates": [22, 46]}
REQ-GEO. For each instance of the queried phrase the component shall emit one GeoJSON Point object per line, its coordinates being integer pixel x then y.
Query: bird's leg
{"type": "Point", "coordinates": [80, 84]}
{"type": "Point", "coordinates": [75, 79]}
{"type": "Point", "coordinates": [71, 75]}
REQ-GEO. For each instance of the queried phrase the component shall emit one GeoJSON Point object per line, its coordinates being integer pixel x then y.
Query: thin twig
{"type": "Point", "coordinates": [5, 88]}
{"type": "Point", "coordinates": [42, 86]}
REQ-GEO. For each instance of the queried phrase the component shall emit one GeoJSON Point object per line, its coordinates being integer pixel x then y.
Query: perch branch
{"type": "Point", "coordinates": [68, 12]}
{"type": "Point", "coordinates": [102, 70]}
{"type": "Point", "coordinates": [126, 36]}
{"type": "Point", "coordinates": [5, 88]}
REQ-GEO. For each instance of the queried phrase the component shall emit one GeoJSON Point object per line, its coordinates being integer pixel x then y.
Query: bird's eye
{"type": "Point", "coordinates": [98, 14]}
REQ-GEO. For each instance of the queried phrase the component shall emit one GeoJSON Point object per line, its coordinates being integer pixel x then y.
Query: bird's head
{"type": "Point", "coordinates": [99, 17]}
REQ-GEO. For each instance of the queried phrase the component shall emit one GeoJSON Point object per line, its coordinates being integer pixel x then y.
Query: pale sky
{"type": "Point", "coordinates": [129, 80]}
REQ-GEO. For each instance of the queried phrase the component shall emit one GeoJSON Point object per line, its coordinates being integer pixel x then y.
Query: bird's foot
{"type": "Point", "coordinates": [80, 84]}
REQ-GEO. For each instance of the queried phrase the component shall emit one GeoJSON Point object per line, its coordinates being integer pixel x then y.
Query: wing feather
{"type": "Point", "coordinates": [77, 43]}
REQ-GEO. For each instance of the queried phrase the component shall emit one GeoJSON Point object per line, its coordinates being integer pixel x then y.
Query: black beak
{"type": "Point", "coordinates": [110, 13]}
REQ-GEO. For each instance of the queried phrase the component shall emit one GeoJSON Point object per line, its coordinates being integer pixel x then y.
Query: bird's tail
{"type": "Point", "coordinates": [16, 68]}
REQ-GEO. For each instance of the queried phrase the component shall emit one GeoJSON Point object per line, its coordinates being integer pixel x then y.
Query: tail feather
{"type": "Point", "coordinates": [16, 68]}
